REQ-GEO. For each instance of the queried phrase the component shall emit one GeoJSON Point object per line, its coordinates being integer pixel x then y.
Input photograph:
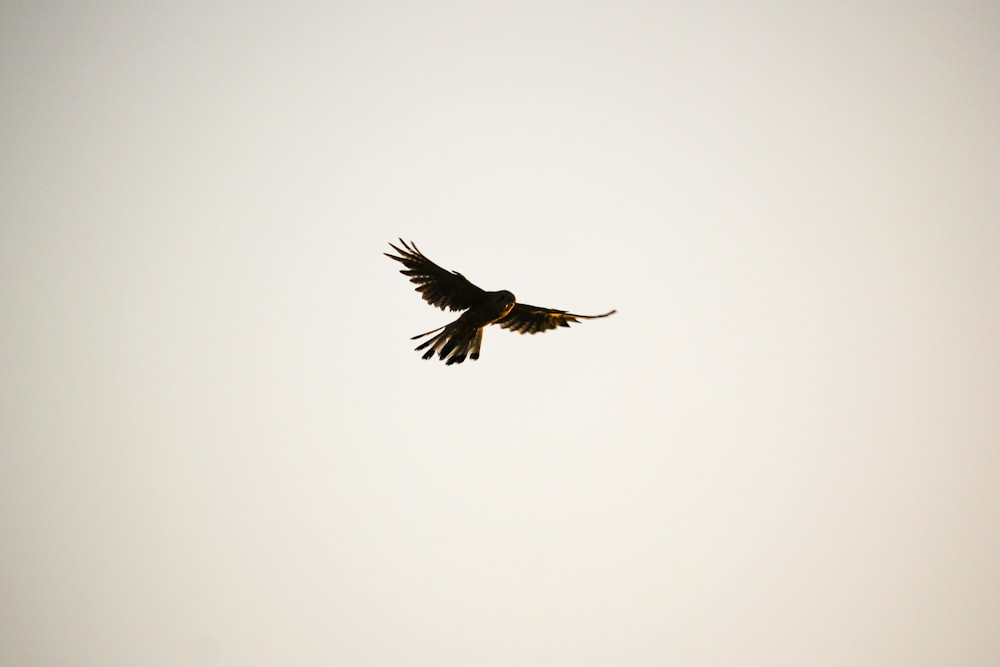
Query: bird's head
{"type": "Point", "coordinates": [503, 300]}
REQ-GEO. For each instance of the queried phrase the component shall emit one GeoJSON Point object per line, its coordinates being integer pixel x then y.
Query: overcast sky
{"type": "Point", "coordinates": [218, 447]}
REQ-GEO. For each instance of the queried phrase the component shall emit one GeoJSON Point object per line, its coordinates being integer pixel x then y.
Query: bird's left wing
{"type": "Point", "coordinates": [448, 290]}
{"type": "Point", "coordinates": [532, 319]}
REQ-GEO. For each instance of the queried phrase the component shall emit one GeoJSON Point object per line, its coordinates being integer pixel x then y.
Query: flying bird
{"type": "Point", "coordinates": [450, 290]}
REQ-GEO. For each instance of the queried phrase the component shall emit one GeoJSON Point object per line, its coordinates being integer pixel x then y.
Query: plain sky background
{"type": "Point", "coordinates": [219, 448]}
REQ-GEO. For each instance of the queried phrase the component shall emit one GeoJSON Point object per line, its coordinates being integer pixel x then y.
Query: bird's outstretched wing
{"type": "Point", "coordinates": [448, 290]}
{"type": "Point", "coordinates": [532, 319]}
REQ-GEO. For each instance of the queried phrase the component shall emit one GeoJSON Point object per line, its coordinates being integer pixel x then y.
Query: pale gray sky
{"type": "Point", "coordinates": [218, 447]}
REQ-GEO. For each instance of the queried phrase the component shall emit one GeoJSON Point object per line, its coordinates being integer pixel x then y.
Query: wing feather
{"type": "Point", "coordinates": [448, 290]}
{"type": "Point", "coordinates": [525, 319]}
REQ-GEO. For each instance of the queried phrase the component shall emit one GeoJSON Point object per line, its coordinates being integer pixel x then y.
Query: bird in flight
{"type": "Point", "coordinates": [450, 290]}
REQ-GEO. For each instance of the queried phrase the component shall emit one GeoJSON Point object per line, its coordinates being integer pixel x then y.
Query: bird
{"type": "Point", "coordinates": [450, 290]}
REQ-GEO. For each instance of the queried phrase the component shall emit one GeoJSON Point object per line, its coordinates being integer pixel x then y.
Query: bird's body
{"type": "Point", "coordinates": [452, 291]}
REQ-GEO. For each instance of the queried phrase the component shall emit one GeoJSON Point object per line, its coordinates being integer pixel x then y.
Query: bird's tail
{"type": "Point", "coordinates": [453, 344]}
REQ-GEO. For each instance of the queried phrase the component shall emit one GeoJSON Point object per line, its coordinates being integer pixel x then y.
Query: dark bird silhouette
{"type": "Point", "coordinates": [450, 290]}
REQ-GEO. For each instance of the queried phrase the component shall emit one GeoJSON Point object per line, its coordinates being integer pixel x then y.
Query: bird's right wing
{"type": "Point", "coordinates": [448, 290]}
{"type": "Point", "coordinates": [532, 319]}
